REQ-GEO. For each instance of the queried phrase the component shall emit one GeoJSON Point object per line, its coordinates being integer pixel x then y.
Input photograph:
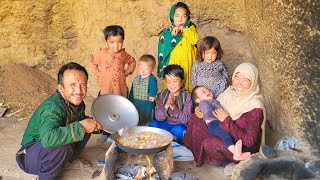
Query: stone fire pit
{"type": "Point", "coordinates": [288, 165]}
{"type": "Point", "coordinates": [115, 158]}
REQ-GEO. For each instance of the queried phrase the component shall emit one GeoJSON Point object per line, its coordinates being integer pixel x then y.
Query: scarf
{"type": "Point", "coordinates": [167, 42]}
{"type": "Point", "coordinates": [236, 105]}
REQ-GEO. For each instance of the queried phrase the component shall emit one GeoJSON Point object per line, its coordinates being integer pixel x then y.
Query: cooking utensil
{"type": "Point", "coordinates": [114, 112]}
{"type": "Point", "coordinates": [141, 129]}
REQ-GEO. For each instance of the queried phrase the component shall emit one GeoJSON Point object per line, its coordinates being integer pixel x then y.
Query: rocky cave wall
{"type": "Point", "coordinates": [285, 37]}
{"type": "Point", "coordinates": [281, 37]}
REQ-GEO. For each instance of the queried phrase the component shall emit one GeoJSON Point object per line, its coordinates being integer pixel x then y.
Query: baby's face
{"type": "Point", "coordinates": [180, 16]}
{"type": "Point", "coordinates": [114, 43]}
{"type": "Point", "coordinates": [203, 93]}
{"type": "Point", "coordinates": [209, 55]}
{"type": "Point", "coordinates": [145, 69]}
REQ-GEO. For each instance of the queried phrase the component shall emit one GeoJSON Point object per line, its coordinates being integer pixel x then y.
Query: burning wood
{"type": "Point", "coordinates": [144, 172]}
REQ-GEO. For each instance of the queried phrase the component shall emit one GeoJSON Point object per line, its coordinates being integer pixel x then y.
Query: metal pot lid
{"type": "Point", "coordinates": [114, 112]}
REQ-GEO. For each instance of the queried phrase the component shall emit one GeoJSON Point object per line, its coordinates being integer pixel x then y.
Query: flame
{"type": "Point", "coordinates": [148, 169]}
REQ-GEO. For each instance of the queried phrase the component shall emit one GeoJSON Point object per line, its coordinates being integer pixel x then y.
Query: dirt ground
{"type": "Point", "coordinates": [22, 89]}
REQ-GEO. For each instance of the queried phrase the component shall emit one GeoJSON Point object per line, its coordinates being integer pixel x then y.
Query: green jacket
{"type": "Point", "coordinates": [55, 123]}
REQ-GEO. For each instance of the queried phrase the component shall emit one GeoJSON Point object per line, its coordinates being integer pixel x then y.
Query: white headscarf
{"type": "Point", "coordinates": [235, 104]}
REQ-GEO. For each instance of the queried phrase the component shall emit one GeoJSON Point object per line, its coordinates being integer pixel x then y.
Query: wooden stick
{"type": "Point", "coordinates": [25, 118]}
{"type": "Point", "coordinates": [11, 114]}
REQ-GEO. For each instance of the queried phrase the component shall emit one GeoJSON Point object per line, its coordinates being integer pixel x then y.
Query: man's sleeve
{"type": "Point", "coordinates": [53, 131]}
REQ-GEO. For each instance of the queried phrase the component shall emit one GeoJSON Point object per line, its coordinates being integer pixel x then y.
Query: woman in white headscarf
{"type": "Point", "coordinates": [243, 116]}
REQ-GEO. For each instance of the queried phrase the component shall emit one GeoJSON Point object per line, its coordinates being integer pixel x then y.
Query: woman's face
{"type": "Point", "coordinates": [174, 84]}
{"type": "Point", "coordinates": [241, 84]}
{"type": "Point", "coordinates": [180, 16]}
{"type": "Point", "coordinates": [209, 55]}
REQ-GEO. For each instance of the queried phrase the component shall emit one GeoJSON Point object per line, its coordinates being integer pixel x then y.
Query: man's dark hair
{"type": "Point", "coordinates": [69, 66]}
{"type": "Point", "coordinates": [113, 30]}
{"type": "Point", "coordinates": [174, 70]}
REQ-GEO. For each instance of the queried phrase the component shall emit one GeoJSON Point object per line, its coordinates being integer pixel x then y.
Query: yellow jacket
{"type": "Point", "coordinates": [184, 53]}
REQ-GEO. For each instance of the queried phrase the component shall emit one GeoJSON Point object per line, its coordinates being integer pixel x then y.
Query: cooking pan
{"type": "Point", "coordinates": [141, 129]}
{"type": "Point", "coordinates": [116, 113]}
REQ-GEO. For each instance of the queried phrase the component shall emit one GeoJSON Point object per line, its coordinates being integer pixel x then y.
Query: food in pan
{"type": "Point", "coordinates": [142, 140]}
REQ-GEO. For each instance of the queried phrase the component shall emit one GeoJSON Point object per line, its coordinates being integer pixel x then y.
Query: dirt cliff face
{"type": "Point", "coordinates": [281, 37]}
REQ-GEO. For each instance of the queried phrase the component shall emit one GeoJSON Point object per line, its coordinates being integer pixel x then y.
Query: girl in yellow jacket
{"type": "Point", "coordinates": [177, 45]}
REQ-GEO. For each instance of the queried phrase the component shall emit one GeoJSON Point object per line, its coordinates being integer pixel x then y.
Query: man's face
{"type": "Point", "coordinates": [114, 43]}
{"type": "Point", "coordinates": [74, 86]}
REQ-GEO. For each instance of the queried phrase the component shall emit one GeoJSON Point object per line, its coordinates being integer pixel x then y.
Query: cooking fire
{"type": "Point", "coordinates": [137, 172]}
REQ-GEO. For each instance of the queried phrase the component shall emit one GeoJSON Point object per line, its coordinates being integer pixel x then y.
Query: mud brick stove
{"type": "Point", "coordinates": [141, 152]}
{"type": "Point", "coordinates": [116, 158]}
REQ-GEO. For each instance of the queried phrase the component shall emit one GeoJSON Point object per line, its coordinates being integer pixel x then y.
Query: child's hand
{"type": "Point", "coordinates": [220, 114]}
{"type": "Point", "coordinates": [170, 102]}
{"type": "Point", "coordinates": [181, 28]}
{"type": "Point", "coordinates": [126, 72]}
{"type": "Point", "coordinates": [175, 31]}
{"type": "Point", "coordinates": [208, 121]}
{"type": "Point", "coordinates": [152, 99]}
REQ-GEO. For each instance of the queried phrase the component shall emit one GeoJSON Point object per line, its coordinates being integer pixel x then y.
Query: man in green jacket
{"type": "Point", "coordinates": [59, 129]}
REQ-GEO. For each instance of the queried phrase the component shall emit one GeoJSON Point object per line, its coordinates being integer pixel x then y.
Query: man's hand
{"type": "Point", "coordinates": [90, 125]}
{"type": "Point", "coordinates": [220, 114]}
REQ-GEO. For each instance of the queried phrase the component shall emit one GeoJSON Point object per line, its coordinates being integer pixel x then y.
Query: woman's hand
{"type": "Point", "coordinates": [220, 114]}
{"type": "Point", "coordinates": [198, 113]}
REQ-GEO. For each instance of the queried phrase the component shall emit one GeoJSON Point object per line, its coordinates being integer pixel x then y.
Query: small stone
{"type": "Point", "coordinates": [313, 166]}
{"type": "Point", "coordinates": [182, 175]}
{"type": "Point", "coordinates": [267, 152]}
{"type": "Point", "coordinates": [6, 170]}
